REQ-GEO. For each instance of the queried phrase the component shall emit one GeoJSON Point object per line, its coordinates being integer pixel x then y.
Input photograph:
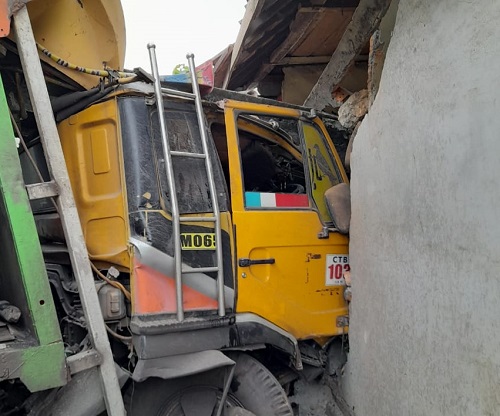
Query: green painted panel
{"type": "Point", "coordinates": [20, 227]}
{"type": "Point", "coordinates": [43, 368]}
{"type": "Point", "coordinates": [40, 368]}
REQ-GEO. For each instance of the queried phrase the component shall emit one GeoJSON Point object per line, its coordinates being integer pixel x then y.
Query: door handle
{"type": "Point", "coordinates": [248, 262]}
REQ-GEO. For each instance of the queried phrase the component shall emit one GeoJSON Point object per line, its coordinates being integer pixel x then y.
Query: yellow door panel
{"type": "Point", "coordinates": [92, 150]}
{"type": "Point", "coordinates": [285, 272]}
{"type": "Point", "coordinates": [292, 293]}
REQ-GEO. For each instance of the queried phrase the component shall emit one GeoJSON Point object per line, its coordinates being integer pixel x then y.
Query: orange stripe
{"type": "Point", "coordinates": [153, 292]}
{"type": "Point", "coordinates": [4, 18]}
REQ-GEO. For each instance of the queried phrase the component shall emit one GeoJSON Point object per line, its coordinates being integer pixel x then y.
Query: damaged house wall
{"type": "Point", "coordinates": [425, 231]}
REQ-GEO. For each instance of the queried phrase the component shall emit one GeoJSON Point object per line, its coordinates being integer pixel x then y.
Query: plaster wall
{"type": "Point", "coordinates": [425, 228]}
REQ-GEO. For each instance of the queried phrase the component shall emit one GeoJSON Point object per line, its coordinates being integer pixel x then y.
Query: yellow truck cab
{"type": "Point", "coordinates": [216, 228]}
{"type": "Point", "coordinates": [216, 231]}
{"type": "Point", "coordinates": [283, 244]}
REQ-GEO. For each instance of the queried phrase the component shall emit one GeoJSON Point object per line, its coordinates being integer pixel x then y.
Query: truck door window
{"type": "Point", "coordinates": [323, 169]}
{"type": "Point", "coordinates": [273, 171]}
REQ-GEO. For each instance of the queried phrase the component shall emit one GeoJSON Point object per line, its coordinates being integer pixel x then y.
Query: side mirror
{"type": "Point", "coordinates": [338, 201]}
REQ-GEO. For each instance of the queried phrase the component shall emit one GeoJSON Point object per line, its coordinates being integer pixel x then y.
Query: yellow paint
{"type": "Point", "coordinates": [290, 293]}
{"type": "Point", "coordinates": [317, 121]}
{"type": "Point", "coordinates": [100, 151]}
{"type": "Point", "coordinates": [321, 168]}
{"type": "Point", "coordinates": [92, 148]}
{"type": "Point", "coordinates": [86, 33]}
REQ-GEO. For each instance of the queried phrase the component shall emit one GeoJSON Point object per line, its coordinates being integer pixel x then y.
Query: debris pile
{"type": "Point", "coordinates": [351, 113]}
{"type": "Point", "coordinates": [9, 315]}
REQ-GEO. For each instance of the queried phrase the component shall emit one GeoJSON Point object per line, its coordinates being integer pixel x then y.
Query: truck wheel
{"type": "Point", "coordinates": [257, 389]}
{"type": "Point", "coordinates": [200, 401]}
{"type": "Point", "coordinates": [254, 392]}
{"type": "Point", "coordinates": [238, 411]}
{"type": "Point", "coordinates": [157, 397]}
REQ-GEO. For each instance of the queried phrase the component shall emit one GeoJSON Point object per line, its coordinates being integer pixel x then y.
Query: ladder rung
{"type": "Point", "coordinates": [201, 270]}
{"type": "Point", "coordinates": [188, 154]}
{"type": "Point", "coordinates": [197, 219]}
{"type": "Point", "coordinates": [170, 91]}
{"type": "Point", "coordinates": [83, 361]}
{"type": "Point", "coordinates": [42, 190]}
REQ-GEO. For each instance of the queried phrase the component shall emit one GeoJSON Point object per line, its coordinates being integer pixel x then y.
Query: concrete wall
{"type": "Point", "coordinates": [425, 237]}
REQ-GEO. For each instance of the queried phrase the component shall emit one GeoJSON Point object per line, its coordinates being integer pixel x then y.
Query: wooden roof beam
{"type": "Point", "coordinates": [312, 60]}
{"type": "Point", "coordinates": [253, 8]}
{"type": "Point", "coordinates": [303, 24]}
{"type": "Point", "coordinates": [365, 20]}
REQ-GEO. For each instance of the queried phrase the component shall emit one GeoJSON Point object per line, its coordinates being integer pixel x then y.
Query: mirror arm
{"type": "Point", "coordinates": [325, 232]}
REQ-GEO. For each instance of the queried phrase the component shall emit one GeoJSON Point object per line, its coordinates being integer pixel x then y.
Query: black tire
{"type": "Point", "coordinates": [239, 411]}
{"type": "Point", "coordinates": [257, 389]}
{"type": "Point", "coordinates": [254, 392]}
{"type": "Point", "coordinates": [175, 405]}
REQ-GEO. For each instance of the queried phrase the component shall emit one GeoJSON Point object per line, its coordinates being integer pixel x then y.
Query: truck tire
{"type": "Point", "coordinates": [239, 411]}
{"type": "Point", "coordinates": [257, 389]}
{"type": "Point", "coordinates": [254, 392]}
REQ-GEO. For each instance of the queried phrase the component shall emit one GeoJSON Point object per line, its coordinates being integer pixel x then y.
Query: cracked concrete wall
{"type": "Point", "coordinates": [425, 231]}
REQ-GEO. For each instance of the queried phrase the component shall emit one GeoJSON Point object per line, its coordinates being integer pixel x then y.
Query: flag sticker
{"type": "Point", "coordinates": [269, 200]}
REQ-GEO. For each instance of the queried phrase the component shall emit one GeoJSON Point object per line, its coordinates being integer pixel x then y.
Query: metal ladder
{"type": "Point", "coordinates": [59, 188]}
{"type": "Point", "coordinates": [177, 219]}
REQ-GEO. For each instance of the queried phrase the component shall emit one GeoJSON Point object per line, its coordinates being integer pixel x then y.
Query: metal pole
{"type": "Point", "coordinates": [211, 182]}
{"type": "Point", "coordinates": [171, 184]}
{"type": "Point", "coordinates": [66, 206]}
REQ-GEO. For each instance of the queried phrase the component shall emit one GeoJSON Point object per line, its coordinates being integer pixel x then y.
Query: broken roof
{"type": "Point", "coordinates": [278, 33]}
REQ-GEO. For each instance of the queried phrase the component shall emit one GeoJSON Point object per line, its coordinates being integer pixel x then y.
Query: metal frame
{"type": "Point", "coordinates": [210, 174]}
{"type": "Point", "coordinates": [174, 206]}
{"type": "Point", "coordinates": [176, 218]}
{"type": "Point", "coordinates": [67, 210]}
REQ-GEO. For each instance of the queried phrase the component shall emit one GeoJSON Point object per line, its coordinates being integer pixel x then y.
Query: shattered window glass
{"type": "Point", "coordinates": [323, 169]}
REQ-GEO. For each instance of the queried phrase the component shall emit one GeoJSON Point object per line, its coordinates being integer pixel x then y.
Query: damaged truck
{"type": "Point", "coordinates": [204, 270]}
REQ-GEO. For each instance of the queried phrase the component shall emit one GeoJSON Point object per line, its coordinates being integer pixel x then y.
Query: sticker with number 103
{"type": "Point", "coordinates": [336, 266]}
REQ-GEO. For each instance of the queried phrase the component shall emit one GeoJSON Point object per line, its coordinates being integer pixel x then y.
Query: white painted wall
{"type": "Point", "coordinates": [425, 233]}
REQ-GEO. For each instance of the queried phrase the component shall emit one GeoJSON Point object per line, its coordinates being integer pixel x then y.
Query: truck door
{"type": "Point", "coordinates": [279, 167]}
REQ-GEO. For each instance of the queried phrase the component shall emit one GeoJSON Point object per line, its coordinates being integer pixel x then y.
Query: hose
{"type": "Point", "coordinates": [123, 338]}
{"type": "Point", "coordinates": [118, 285]}
{"type": "Point", "coordinates": [97, 72]}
